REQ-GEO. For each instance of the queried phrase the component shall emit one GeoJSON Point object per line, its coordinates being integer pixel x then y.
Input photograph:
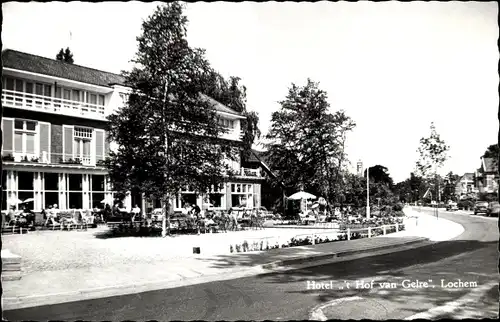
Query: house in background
{"type": "Point", "coordinates": [272, 191]}
{"type": "Point", "coordinates": [487, 177]}
{"type": "Point", "coordinates": [466, 186]}
{"type": "Point", "coordinates": [54, 138]}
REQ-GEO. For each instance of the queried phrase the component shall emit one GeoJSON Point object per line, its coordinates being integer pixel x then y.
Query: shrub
{"type": "Point", "coordinates": [8, 157]}
{"type": "Point", "coordinates": [397, 207]}
{"type": "Point", "coordinates": [399, 213]}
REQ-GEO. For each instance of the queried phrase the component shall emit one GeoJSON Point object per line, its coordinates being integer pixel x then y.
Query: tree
{"type": "Point", "coordinates": [450, 182]}
{"type": "Point", "coordinates": [432, 155]}
{"type": "Point", "coordinates": [65, 55]}
{"type": "Point", "coordinates": [493, 152]}
{"type": "Point", "coordinates": [233, 94]}
{"type": "Point", "coordinates": [306, 141]}
{"type": "Point", "coordinates": [167, 134]}
{"type": "Point", "coordinates": [380, 174]}
{"type": "Point", "coordinates": [355, 190]}
{"type": "Point", "coordinates": [60, 55]}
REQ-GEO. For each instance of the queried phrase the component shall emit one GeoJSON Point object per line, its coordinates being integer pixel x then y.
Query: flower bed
{"type": "Point", "coordinates": [262, 245]}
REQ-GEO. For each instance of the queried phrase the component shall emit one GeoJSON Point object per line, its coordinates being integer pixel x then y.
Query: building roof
{"type": "Point", "coordinates": [52, 67]}
{"type": "Point", "coordinates": [221, 107]}
{"type": "Point", "coordinates": [489, 165]}
{"type": "Point", "coordinates": [468, 176]}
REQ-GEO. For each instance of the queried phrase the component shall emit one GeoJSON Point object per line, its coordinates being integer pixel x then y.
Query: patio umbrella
{"type": "Point", "coordinates": [14, 201]}
{"type": "Point", "coordinates": [107, 200]}
{"type": "Point", "coordinates": [28, 200]}
{"type": "Point", "coordinates": [301, 195]}
{"type": "Point", "coordinates": [207, 205]}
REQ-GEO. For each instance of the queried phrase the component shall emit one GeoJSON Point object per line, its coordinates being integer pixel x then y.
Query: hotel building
{"type": "Point", "coordinates": [54, 138]}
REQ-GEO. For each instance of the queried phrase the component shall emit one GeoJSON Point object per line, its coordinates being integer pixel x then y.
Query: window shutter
{"type": "Point", "coordinates": [8, 136]}
{"type": "Point", "coordinates": [44, 141]}
{"type": "Point", "coordinates": [68, 142]}
{"type": "Point", "coordinates": [106, 144]}
{"type": "Point", "coordinates": [99, 145]}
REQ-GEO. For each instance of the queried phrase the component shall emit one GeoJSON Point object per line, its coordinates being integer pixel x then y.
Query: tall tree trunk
{"type": "Point", "coordinates": [339, 164]}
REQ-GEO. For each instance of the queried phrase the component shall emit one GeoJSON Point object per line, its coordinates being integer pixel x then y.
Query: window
{"type": "Point", "coordinates": [93, 99]}
{"type": "Point", "coordinates": [75, 95]}
{"type": "Point", "coordinates": [25, 136]}
{"type": "Point", "coordinates": [9, 84]}
{"type": "Point", "coordinates": [19, 85]}
{"type": "Point", "coordinates": [226, 123]}
{"type": "Point", "coordinates": [82, 144]}
{"type": "Point", "coordinates": [13, 84]}
{"type": "Point", "coordinates": [241, 195]}
{"type": "Point", "coordinates": [101, 100]}
{"type": "Point", "coordinates": [25, 186]}
{"type": "Point", "coordinates": [29, 87]}
{"type": "Point", "coordinates": [217, 197]}
{"type": "Point", "coordinates": [38, 89]}
{"type": "Point", "coordinates": [4, 190]}
{"type": "Point", "coordinates": [97, 190]}
{"type": "Point", "coordinates": [51, 189]}
{"type": "Point", "coordinates": [67, 94]}
{"type": "Point", "coordinates": [124, 98]}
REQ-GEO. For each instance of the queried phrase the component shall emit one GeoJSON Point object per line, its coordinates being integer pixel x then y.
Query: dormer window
{"type": "Point", "coordinates": [226, 123]}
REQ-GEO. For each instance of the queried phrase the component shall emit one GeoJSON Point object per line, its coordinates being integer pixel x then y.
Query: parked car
{"type": "Point", "coordinates": [493, 209]}
{"type": "Point", "coordinates": [481, 207]}
{"type": "Point", "coordinates": [452, 206]}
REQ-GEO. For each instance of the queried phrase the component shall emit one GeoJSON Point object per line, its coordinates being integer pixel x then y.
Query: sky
{"type": "Point", "coordinates": [393, 67]}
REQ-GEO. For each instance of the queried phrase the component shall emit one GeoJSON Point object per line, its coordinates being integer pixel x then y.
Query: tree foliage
{"type": "Point", "coordinates": [493, 152]}
{"type": "Point", "coordinates": [233, 94]}
{"type": "Point", "coordinates": [380, 174]}
{"type": "Point", "coordinates": [432, 154]}
{"type": "Point", "coordinates": [65, 55]}
{"type": "Point", "coordinates": [411, 189]}
{"type": "Point", "coordinates": [450, 183]}
{"type": "Point", "coordinates": [306, 141]}
{"type": "Point", "coordinates": [167, 133]}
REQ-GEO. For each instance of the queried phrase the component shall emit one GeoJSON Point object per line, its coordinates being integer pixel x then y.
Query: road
{"type": "Point", "coordinates": [471, 257]}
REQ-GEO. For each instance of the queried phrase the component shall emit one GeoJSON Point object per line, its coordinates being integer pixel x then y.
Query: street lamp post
{"type": "Point", "coordinates": [367, 192]}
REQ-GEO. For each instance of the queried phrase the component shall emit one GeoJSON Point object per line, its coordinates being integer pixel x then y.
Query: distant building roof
{"type": "Point", "coordinates": [468, 176]}
{"type": "Point", "coordinates": [52, 67]}
{"type": "Point", "coordinates": [489, 165]}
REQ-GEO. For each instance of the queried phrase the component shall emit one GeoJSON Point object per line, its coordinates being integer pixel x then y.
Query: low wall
{"type": "Point", "coordinates": [11, 266]}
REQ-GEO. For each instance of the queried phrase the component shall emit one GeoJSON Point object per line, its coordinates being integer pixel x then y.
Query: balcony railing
{"type": "Point", "coordinates": [250, 172]}
{"type": "Point", "coordinates": [53, 158]}
{"type": "Point", "coordinates": [232, 134]}
{"type": "Point", "coordinates": [246, 172]}
{"type": "Point", "coordinates": [51, 104]}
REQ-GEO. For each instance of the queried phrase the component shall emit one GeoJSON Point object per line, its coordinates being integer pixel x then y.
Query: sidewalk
{"type": "Point", "coordinates": [50, 286]}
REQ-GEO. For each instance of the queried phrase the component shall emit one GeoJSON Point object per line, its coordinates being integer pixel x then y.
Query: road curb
{"type": "Point", "coordinates": [14, 303]}
{"type": "Point", "coordinates": [333, 255]}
